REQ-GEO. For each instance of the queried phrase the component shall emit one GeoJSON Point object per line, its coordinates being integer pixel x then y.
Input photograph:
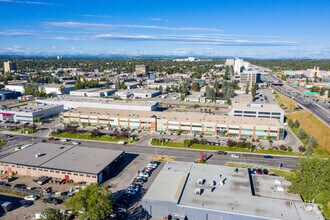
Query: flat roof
{"type": "Point", "coordinates": [6, 91]}
{"type": "Point", "coordinates": [263, 107]}
{"type": "Point", "coordinates": [70, 157]}
{"type": "Point", "coordinates": [235, 196]}
{"type": "Point", "coordinates": [195, 117]}
{"type": "Point", "coordinates": [70, 98]}
{"type": "Point", "coordinates": [31, 108]}
{"type": "Point", "coordinates": [94, 90]}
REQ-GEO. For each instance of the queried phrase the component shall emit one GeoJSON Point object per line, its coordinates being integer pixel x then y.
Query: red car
{"type": "Point", "coordinates": [51, 139]}
{"type": "Point", "coordinates": [259, 171]}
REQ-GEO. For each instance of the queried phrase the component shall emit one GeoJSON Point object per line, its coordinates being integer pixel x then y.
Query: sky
{"type": "Point", "coordinates": [215, 28]}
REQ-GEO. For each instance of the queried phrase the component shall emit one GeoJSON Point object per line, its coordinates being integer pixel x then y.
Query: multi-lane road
{"type": "Point", "coordinates": [186, 155]}
{"type": "Point", "coordinates": [318, 107]}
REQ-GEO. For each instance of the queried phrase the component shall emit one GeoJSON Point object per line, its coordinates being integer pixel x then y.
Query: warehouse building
{"type": "Point", "coordinates": [30, 113]}
{"type": "Point", "coordinates": [194, 123]}
{"type": "Point", "coordinates": [257, 111]}
{"type": "Point", "coordinates": [69, 162]}
{"type": "Point", "coordinates": [58, 89]}
{"type": "Point", "coordinates": [94, 92]}
{"type": "Point", "coordinates": [7, 95]}
{"type": "Point", "coordinates": [211, 192]}
{"type": "Point", "coordinates": [72, 102]}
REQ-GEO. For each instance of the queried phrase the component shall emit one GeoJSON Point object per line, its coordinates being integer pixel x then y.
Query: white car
{"type": "Point", "coordinates": [75, 143]}
{"type": "Point", "coordinates": [31, 198]}
{"type": "Point", "coordinates": [64, 140]}
{"type": "Point", "coordinates": [235, 156]}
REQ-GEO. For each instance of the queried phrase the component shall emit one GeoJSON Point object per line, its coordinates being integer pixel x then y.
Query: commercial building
{"type": "Point", "coordinates": [141, 69]}
{"type": "Point", "coordinates": [257, 111]}
{"type": "Point", "coordinates": [238, 65]}
{"type": "Point", "coordinates": [15, 87]}
{"type": "Point", "coordinates": [9, 66]}
{"type": "Point", "coordinates": [30, 113]}
{"type": "Point", "coordinates": [250, 78]}
{"type": "Point", "coordinates": [143, 93]}
{"type": "Point", "coordinates": [186, 122]}
{"type": "Point", "coordinates": [94, 92]}
{"type": "Point", "coordinates": [7, 94]}
{"type": "Point", "coordinates": [71, 102]}
{"type": "Point", "coordinates": [69, 162]}
{"type": "Point", "coordinates": [58, 89]}
{"type": "Point", "coordinates": [211, 192]}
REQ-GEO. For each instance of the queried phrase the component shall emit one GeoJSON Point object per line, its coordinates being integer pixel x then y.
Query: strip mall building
{"type": "Point", "coordinates": [186, 122]}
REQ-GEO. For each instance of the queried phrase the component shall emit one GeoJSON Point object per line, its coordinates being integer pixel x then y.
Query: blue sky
{"type": "Point", "coordinates": [243, 28]}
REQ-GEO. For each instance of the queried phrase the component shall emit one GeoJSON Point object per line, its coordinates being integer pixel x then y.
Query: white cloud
{"type": "Point", "coordinates": [27, 2]}
{"type": "Point", "coordinates": [158, 19]}
{"type": "Point", "coordinates": [71, 24]}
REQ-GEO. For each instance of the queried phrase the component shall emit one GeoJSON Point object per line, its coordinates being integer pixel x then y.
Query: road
{"type": "Point", "coordinates": [319, 108]}
{"type": "Point", "coordinates": [186, 155]}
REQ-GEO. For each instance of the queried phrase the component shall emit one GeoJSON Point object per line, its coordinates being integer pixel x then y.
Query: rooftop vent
{"type": "Point", "coordinates": [198, 191]}
{"type": "Point", "coordinates": [201, 181]}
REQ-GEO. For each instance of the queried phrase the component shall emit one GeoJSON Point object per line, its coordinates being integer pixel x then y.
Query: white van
{"type": "Point", "coordinates": [121, 142]}
{"type": "Point", "coordinates": [235, 156]}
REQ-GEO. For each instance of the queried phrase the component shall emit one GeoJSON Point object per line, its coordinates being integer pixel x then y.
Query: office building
{"type": "Point", "coordinates": [141, 69]}
{"type": "Point", "coordinates": [9, 66]}
{"type": "Point", "coordinates": [185, 122]}
{"type": "Point", "coordinates": [211, 192]}
{"type": "Point", "coordinates": [72, 102]}
{"type": "Point", "coordinates": [58, 89]}
{"type": "Point", "coordinates": [30, 113]}
{"type": "Point", "coordinates": [59, 57]}
{"type": "Point", "coordinates": [69, 162]}
{"type": "Point", "coordinates": [257, 111]}
{"type": "Point", "coordinates": [250, 78]}
{"type": "Point", "coordinates": [238, 65]}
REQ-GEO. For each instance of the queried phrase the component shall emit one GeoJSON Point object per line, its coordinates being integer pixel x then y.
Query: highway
{"type": "Point", "coordinates": [186, 155]}
{"type": "Point", "coordinates": [318, 107]}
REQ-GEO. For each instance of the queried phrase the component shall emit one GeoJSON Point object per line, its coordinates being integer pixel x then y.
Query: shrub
{"type": "Point", "coordinates": [301, 149]}
{"type": "Point", "coordinates": [231, 143]}
{"type": "Point", "coordinates": [187, 143]}
{"type": "Point", "coordinates": [283, 147]}
{"type": "Point", "coordinates": [302, 134]}
{"type": "Point", "coordinates": [290, 149]}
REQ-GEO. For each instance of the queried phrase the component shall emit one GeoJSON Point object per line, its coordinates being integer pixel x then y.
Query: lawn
{"type": "Point", "coordinates": [313, 127]}
{"type": "Point", "coordinates": [285, 102]}
{"type": "Point", "coordinates": [225, 148]}
{"type": "Point", "coordinates": [88, 137]}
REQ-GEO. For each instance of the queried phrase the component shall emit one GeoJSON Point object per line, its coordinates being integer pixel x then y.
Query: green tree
{"type": "Point", "coordinates": [160, 88]}
{"type": "Point", "coordinates": [311, 179]}
{"type": "Point", "coordinates": [195, 86]}
{"type": "Point", "coordinates": [93, 202]}
{"type": "Point", "coordinates": [290, 123]}
{"type": "Point", "coordinates": [302, 134]}
{"type": "Point", "coordinates": [62, 89]}
{"type": "Point", "coordinates": [53, 214]}
{"type": "Point", "coordinates": [296, 124]}
{"type": "Point", "coordinates": [168, 89]}
{"type": "Point", "coordinates": [31, 89]}
{"type": "Point", "coordinates": [247, 88]}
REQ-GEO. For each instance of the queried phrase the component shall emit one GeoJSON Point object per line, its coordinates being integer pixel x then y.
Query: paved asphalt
{"type": "Point", "coordinates": [187, 155]}
{"type": "Point", "coordinates": [319, 108]}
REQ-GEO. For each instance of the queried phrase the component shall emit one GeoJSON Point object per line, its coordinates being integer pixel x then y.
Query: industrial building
{"type": "Point", "coordinates": [9, 66]}
{"type": "Point", "coordinates": [257, 111]}
{"type": "Point", "coordinates": [211, 192]}
{"type": "Point", "coordinates": [194, 123]}
{"type": "Point", "coordinates": [143, 93]}
{"type": "Point", "coordinates": [58, 89]}
{"type": "Point", "coordinates": [94, 92]}
{"type": "Point", "coordinates": [69, 162]}
{"type": "Point", "coordinates": [71, 102]}
{"type": "Point", "coordinates": [30, 113]}
{"type": "Point", "coordinates": [7, 94]}
{"type": "Point", "coordinates": [15, 87]}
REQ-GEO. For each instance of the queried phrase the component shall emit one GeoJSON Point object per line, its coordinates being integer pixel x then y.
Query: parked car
{"type": "Point", "coordinates": [64, 140]}
{"type": "Point", "coordinates": [235, 156]}
{"type": "Point", "coordinates": [121, 142]}
{"type": "Point", "coordinates": [75, 142]}
{"type": "Point", "coordinates": [221, 152]}
{"type": "Point", "coordinates": [51, 139]}
{"type": "Point", "coordinates": [52, 200]}
{"type": "Point", "coordinates": [26, 203]}
{"type": "Point", "coordinates": [265, 171]}
{"type": "Point", "coordinates": [20, 186]}
{"type": "Point", "coordinates": [259, 171]}
{"type": "Point", "coordinates": [268, 157]}
{"type": "Point", "coordinates": [31, 198]}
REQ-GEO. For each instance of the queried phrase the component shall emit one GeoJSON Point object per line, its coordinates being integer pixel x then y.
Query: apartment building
{"type": "Point", "coordinates": [193, 123]}
{"type": "Point", "coordinates": [9, 66]}
{"type": "Point", "coordinates": [249, 77]}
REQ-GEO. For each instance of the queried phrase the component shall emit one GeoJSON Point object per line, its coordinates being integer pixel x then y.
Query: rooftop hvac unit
{"type": "Point", "coordinates": [278, 182]}
{"type": "Point", "coordinates": [212, 183]}
{"type": "Point", "coordinates": [280, 188]}
{"type": "Point", "coordinates": [198, 191]}
{"type": "Point", "coordinates": [201, 181]}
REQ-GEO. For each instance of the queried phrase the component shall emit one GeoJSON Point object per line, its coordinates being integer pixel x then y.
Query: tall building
{"type": "Point", "coordinates": [141, 69]}
{"type": "Point", "coordinates": [9, 66]}
{"type": "Point", "coordinates": [250, 77]}
{"type": "Point", "coordinates": [59, 57]}
{"type": "Point", "coordinates": [238, 64]}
